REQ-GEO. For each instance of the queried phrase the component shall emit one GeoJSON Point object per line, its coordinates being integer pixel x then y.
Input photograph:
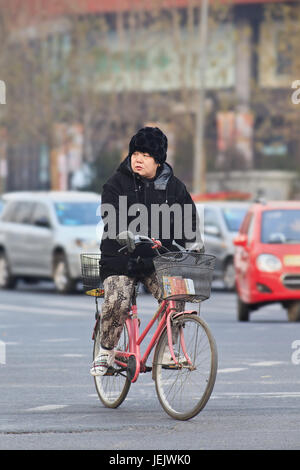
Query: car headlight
{"type": "Point", "coordinates": [268, 263]}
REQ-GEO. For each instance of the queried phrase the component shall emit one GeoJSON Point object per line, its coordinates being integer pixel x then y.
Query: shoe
{"type": "Point", "coordinates": [103, 361]}
{"type": "Point", "coordinates": [167, 359]}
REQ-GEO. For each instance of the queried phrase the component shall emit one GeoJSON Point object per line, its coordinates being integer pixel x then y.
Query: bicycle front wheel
{"type": "Point", "coordinates": [183, 390]}
{"type": "Point", "coordinates": [113, 387]}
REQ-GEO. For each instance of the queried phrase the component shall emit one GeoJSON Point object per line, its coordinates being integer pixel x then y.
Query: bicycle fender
{"type": "Point", "coordinates": [190, 312]}
{"type": "Point", "coordinates": [178, 314]}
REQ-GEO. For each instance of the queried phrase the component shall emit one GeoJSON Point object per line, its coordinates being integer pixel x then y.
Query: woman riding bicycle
{"type": "Point", "coordinates": [147, 183]}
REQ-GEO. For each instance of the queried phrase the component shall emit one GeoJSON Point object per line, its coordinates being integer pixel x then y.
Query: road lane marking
{"type": "Point", "coordinates": [47, 408]}
{"type": "Point", "coordinates": [58, 340]}
{"type": "Point", "coordinates": [266, 363]}
{"type": "Point", "coordinates": [80, 303]}
{"type": "Point", "coordinates": [12, 343]}
{"type": "Point", "coordinates": [256, 394]}
{"type": "Point", "coordinates": [73, 355]}
{"type": "Point", "coordinates": [42, 310]}
{"type": "Point", "coordinates": [255, 364]}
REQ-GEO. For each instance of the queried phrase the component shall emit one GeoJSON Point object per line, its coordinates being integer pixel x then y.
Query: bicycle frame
{"type": "Point", "coordinates": [135, 338]}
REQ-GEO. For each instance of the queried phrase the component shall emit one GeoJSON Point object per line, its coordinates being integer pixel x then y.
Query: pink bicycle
{"type": "Point", "coordinates": [185, 380]}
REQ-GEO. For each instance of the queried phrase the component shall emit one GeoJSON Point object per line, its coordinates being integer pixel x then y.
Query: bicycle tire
{"type": "Point", "coordinates": [183, 392]}
{"type": "Point", "coordinates": [113, 387]}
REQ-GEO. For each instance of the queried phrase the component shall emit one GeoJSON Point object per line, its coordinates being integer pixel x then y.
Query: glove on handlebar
{"type": "Point", "coordinates": [139, 266]}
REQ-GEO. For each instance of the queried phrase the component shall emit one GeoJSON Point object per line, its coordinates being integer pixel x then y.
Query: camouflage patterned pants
{"type": "Point", "coordinates": [118, 291]}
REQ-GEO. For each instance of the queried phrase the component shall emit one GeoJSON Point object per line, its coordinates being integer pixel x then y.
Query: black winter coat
{"type": "Point", "coordinates": [165, 188]}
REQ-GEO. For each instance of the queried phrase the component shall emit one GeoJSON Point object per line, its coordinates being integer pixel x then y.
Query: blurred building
{"type": "Point", "coordinates": [251, 64]}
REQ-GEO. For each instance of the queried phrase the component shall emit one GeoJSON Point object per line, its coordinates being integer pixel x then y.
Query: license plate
{"type": "Point", "coordinates": [292, 260]}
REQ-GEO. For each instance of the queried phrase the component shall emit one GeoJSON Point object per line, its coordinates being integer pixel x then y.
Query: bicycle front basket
{"type": "Point", "coordinates": [90, 271]}
{"type": "Point", "coordinates": [185, 275]}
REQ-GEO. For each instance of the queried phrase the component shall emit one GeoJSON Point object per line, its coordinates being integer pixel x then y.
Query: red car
{"type": "Point", "coordinates": [267, 258]}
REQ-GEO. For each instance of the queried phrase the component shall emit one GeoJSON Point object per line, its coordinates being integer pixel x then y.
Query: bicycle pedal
{"type": "Point", "coordinates": [175, 366]}
{"type": "Point", "coordinates": [110, 371]}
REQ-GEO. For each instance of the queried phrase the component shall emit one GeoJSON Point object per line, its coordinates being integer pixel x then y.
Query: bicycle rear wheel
{"type": "Point", "coordinates": [184, 390]}
{"type": "Point", "coordinates": [113, 387]}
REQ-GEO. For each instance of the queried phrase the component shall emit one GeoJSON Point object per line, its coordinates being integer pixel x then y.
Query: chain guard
{"type": "Point", "coordinates": [131, 367]}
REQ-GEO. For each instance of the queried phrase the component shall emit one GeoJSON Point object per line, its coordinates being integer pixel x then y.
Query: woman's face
{"type": "Point", "coordinates": [143, 164]}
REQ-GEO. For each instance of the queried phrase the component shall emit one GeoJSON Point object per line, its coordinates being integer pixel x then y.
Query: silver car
{"type": "Point", "coordinates": [43, 233]}
{"type": "Point", "coordinates": [221, 224]}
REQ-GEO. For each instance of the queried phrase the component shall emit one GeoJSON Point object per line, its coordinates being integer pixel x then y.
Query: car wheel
{"type": "Point", "coordinates": [243, 310]}
{"type": "Point", "coordinates": [293, 311]}
{"type": "Point", "coordinates": [61, 277]}
{"type": "Point", "coordinates": [7, 281]}
{"type": "Point", "coordinates": [229, 276]}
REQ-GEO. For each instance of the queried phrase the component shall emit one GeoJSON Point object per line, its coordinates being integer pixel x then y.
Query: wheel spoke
{"type": "Point", "coordinates": [184, 391]}
{"type": "Point", "coordinates": [113, 387]}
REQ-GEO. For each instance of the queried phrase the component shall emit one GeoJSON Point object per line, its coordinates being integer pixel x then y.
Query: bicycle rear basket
{"type": "Point", "coordinates": [90, 271]}
{"type": "Point", "coordinates": [185, 275]}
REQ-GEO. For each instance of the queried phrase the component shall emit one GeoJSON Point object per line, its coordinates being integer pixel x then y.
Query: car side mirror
{"type": "Point", "coordinates": [42, 222]}
{"type": "Point", "coordinates": [241, 240]}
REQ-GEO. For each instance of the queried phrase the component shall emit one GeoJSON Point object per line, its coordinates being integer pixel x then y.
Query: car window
{"type": "Point", "coordinates": [210, 217]}
{"type": "Point", "coordinates": [234, 217]}
{"type": "Point", "coordinates": [245, 224]}
{"type": "Point", "coordinates": [78, 213]}
{"type": "Point", "coordinates": [9, 211]}
{"type": "Point", "coordinates": [41, 211]}
{"type": "Point", "coordinates": [280, 226]}
{"type": "Point", "coordinates": [250, 229]}
{"type": "Point", "coordinates": [23, 213]}
{"type": "Point", "coordinates": [211, 223]}
{"type": "Point", "coordinates": [18, 212]}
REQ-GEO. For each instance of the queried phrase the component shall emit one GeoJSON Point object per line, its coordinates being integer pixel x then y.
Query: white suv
{"type": "Point", "coordinates": [222, 221]}
{"type": "Point", "coordinates": [43, 233]}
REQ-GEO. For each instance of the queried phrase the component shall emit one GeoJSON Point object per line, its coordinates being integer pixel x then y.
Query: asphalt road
{"type": "Point", "coordinates": [48, 400]}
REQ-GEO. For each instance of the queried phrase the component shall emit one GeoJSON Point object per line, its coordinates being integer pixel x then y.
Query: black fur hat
{"type": "Point", "coordinates": [151, 140]}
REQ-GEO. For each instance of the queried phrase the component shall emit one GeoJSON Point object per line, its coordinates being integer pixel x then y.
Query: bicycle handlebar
{"type": "Point", "coordinates": [130, 241]}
